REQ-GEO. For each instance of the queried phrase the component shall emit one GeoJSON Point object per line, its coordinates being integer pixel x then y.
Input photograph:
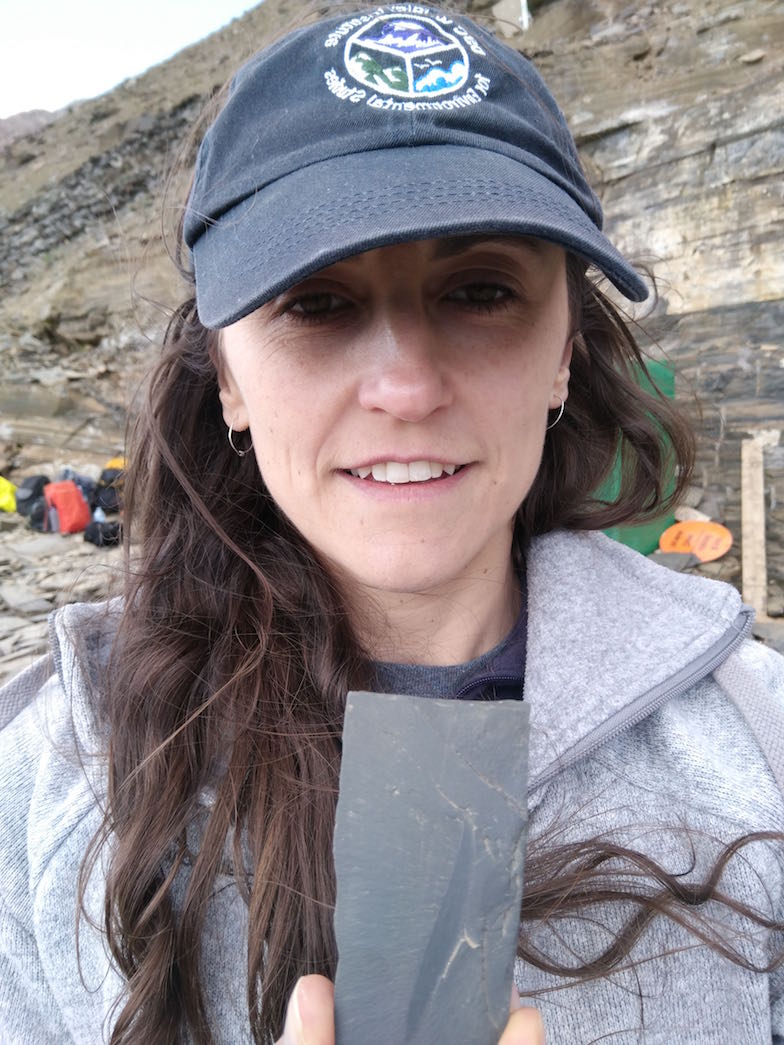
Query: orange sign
{"type": "Point", "coordinates": [706, 540]}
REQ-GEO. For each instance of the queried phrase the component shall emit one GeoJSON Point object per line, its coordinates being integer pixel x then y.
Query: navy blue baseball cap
{"type": "Point", "coordinates": [395, 124]}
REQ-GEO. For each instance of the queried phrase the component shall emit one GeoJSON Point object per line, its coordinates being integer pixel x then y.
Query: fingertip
{"type": "Point", "coordinates": [313, 993]}
{"type": "Point", "coordinates": [525, 1027]}
{"type": "Point", "coordinates": [313, 1001]}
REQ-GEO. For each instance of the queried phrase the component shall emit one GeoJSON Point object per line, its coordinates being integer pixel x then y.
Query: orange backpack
{"type": "Point", "coordinates": [73, 512]}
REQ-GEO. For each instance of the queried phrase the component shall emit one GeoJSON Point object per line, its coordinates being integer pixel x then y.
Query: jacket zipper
{"type": "Point", "coordinates": [487, 680]}
{"type": "Point", "coordinates": [654, 698]}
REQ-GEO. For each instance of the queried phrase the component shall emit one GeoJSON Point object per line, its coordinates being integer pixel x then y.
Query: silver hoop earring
{"type": "Point", "coordinates": [560, 415]}
{"type": "Point", "coordinates": [239, 453]}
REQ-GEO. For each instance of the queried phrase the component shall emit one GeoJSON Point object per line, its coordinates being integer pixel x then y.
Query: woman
{"type": "Point", "coordinates": [368, 460]}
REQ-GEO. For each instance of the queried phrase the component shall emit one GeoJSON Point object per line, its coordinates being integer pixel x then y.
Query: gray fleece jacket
{"type": "Point", "coordinates": [651, 711]}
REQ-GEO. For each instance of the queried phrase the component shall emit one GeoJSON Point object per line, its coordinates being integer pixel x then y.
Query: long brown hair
{"type": "Point", "coordinates": [228, 675]}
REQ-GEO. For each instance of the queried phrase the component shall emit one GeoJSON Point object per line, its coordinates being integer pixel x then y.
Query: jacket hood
{"type": "Point", "coordinates": [611, 635]}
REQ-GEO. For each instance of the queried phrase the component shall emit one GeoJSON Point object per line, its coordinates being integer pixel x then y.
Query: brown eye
{"type": "Point", "coordinates": [317, 304]}
{"type": "Point", "coordinates": [483, 295]}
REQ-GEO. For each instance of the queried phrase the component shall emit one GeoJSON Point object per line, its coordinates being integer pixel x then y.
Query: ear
{"type": "Point", "coordinates": [235, 413]}
{"type": "Point", "coordinates": [560, 391]}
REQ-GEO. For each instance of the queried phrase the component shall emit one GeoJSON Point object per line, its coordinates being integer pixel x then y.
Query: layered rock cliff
{"type": "Point", "coordinates": [679, 112]}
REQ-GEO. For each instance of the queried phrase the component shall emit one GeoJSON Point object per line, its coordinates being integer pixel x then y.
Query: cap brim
{"type": "Point", "coordinates": [349, 204]}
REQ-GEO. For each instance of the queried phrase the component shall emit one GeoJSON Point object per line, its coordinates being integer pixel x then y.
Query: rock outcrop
{"type": "Point", "coordinates": [679, 112]}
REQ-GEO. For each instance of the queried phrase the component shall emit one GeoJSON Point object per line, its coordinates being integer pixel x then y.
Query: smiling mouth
{"type": "Point", "coordinates": [397, 473]}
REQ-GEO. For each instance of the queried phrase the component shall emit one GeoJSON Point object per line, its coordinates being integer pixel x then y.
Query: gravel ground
{"type": "Point", "coordinates": [38, 573]}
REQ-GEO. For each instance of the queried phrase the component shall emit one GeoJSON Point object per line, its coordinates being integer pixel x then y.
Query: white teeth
{"type": "Point", "coordinates": [421, 471]}
{"type": "Point", "coordinates": [395, 472]}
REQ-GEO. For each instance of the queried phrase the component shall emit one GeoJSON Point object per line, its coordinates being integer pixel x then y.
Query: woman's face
{"type": "Point", "coordinates": [397, 403]}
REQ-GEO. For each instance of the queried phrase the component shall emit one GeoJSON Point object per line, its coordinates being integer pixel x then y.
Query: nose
{"type": "Point", "coordinates": [405, 371]}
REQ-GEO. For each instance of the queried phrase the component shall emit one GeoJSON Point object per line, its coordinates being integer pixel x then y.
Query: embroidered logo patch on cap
{"type": "Point", "coordinates": [408, 53]}
{"type": "Point", "coordinates": [407, 57]}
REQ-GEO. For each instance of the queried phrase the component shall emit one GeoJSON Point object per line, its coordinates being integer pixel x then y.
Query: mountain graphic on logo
{"type": "Point", "coordinates": [389, 55]}
{"type": "Point", "coordinates": [405, 36]}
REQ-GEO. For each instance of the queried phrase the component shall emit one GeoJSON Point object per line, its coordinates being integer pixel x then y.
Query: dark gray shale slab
{"type": "Point", "coordinates": [429, 848]}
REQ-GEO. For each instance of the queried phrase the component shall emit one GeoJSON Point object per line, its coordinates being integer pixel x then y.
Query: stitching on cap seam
{"type": "Point", "coordinates": [316, 218]}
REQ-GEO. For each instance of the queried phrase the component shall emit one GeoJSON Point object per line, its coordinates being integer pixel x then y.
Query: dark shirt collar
{"type": "Point", "coordinates": [495, 675]}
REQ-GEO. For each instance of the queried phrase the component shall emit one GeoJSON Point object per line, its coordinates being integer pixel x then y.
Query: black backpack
{"type": "Point", "coordinates": [28, 492]}
{"type": "Point", "coordinates": [103, 534]}
{"type": "Point", "coordinates": [108, 493]}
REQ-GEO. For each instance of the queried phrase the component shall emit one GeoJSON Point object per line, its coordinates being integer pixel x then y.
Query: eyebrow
{"type": "Point", "coordinates": [451, 245]}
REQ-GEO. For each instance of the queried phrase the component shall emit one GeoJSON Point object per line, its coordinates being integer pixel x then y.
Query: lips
{"type": "Point", "coordinates": [397, 472]}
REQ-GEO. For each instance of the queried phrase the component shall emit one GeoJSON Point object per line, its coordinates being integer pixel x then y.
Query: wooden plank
{"type": "Point", "coordinates": [753, 560]}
